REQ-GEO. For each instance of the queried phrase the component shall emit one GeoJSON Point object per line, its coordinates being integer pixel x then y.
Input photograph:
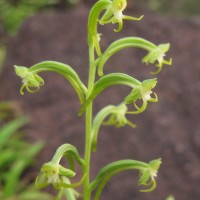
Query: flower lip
{"type": "Point", "coordinates": [161, 58]}
{"type": "Point", "coordinates": [118, 14]}
{"type": "Point", "coordinates": [147, 95]}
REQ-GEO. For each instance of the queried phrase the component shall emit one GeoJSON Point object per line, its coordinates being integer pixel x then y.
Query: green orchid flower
{"type": "Point", "coordinates": [148, 175]}
{"type": "Point", "coordinates": [114, 14]}
{"type": "Point", "coordinates": [118, 117]}
{"type": "Point", "coordinates": [148, 172]}
{"type": "Point", "coordinates": [158, 54]}
{"type": "Point", "coordinates": [144, 93]}
{"type": "Point", "coordinates": [54, 174]}
{"type": "Point", "coordinates": [31, 81]}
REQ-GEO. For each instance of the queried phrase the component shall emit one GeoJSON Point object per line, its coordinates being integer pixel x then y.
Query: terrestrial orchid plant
{"type": "Point", "coordinates": [53, 172]}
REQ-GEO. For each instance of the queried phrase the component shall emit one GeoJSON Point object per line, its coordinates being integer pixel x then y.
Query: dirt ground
{"type": "Point", "coordinates": [169, 129]}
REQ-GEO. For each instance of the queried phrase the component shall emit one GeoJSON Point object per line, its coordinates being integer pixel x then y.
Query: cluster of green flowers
{"type": "Point", "coordinates": [103, 12]}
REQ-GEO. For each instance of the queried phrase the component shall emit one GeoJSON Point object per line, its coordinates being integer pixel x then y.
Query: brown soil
{"type": "Point", "coordinates": [169, 129]}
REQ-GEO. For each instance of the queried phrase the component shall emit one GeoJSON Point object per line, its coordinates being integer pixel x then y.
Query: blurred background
{"type": "Point", "coordinates": [34, 125]}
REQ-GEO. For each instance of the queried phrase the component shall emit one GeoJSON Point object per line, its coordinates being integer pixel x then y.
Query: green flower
{"type": "Point", "coordinates": [144, 92]}
{"type": "Point", "coordinates": [114, 14]}
{"type": "Point", "coordinates": [118, 117]}
{"type": "Point", "coordinates": [147, 176]}
{"type": "Point", "coordinates": [54, 174]}
{"type": "Point", "coordinates": [30, 80]}
{"type": "Point", "coordinates": [158, 54]}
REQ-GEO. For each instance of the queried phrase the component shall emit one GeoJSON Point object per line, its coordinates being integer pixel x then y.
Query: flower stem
{"type": "Point", "coordinates": [88, 125]}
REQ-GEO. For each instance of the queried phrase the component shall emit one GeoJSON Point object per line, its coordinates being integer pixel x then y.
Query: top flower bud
{"type": "Point", "coordinates": [114, 14]}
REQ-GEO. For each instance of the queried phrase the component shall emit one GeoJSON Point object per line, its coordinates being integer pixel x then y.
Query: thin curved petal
{"type": "Point", "coordinates": [139, 109]}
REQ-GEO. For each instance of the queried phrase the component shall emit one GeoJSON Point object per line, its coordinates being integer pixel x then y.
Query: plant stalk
{"type": "Point", "coordinates": [88, 126]}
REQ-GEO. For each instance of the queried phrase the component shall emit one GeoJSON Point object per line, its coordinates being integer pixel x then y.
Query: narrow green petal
{"type": "Point", "coordinates": [132, 18]}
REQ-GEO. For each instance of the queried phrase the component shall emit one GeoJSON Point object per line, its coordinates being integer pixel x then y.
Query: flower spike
{"type": "Point", "coordinates": [114, 14]}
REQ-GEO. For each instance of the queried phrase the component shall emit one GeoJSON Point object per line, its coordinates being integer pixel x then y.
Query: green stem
{"type": "Point", "coordinates": [88, 125]}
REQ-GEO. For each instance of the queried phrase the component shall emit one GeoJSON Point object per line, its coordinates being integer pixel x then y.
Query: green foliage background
{"type": "Point", "coordinates": [13, 184]}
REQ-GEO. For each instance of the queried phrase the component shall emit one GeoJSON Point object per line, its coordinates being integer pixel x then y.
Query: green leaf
{"type": "Point", "coordinates": [19, 164]}
{"type": "Point", "coordinates": [12, 178]}
{"type": "Point", "coordinates": [7, 156]}
{"type": "Point", "coordinates": [9, 129]}
{"type": "Point", "coordinates": [108, 81]}
{"type": "Point", "coordinates": [32, 150]}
